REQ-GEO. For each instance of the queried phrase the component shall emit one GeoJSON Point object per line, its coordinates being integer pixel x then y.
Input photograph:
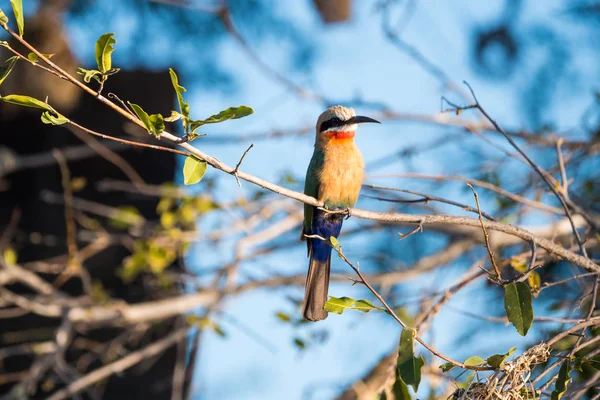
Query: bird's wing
{"type": "Point", "coordinates": [311, 188]}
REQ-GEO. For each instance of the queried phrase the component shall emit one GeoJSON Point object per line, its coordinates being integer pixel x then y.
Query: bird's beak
{"type": "Point", "coordinates": [359, 119]}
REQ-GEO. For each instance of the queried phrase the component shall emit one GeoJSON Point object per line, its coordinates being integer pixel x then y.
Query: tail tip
{"type": "Point", "coordinates": [315, 315]}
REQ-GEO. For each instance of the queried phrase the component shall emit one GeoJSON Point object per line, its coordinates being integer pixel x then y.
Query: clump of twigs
{"type": "Point", "coordinates": [510, 382]}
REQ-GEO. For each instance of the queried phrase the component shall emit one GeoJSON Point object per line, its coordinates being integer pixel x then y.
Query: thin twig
{"type": "Point", "coordinates": [426, 198]}
{"type": "Point", "coordinates": [389, 310]}
{"type": "Point", "coordinates": [537, 169]}
{"type": "Point", "coordinates": [485, 235]}
{"type": "Point", "coordinates": [237, 167]}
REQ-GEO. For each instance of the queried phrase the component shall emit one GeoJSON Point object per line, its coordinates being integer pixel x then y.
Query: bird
{"type": "Point", "coordinates": [334, 176]}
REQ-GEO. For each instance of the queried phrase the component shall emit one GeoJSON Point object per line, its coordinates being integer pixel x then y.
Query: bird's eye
{"type": "Point", "coordinates": [331, 123]}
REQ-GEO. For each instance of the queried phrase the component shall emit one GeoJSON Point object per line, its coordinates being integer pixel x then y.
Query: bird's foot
{"type": "Point", "coordinates": [348, 213]}
{"type": "Point", "coordinates": [345, 211]}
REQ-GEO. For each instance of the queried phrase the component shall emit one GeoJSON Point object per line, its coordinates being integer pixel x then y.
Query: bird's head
{"type": "Point", "coordinates": [339, 123]}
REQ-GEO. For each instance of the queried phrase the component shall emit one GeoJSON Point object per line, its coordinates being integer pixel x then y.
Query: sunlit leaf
{"type": "Point", "coordinates": [112, 71]}
{"type": "Point", "coordinates": [157, 124]}
{"type": "Point", "coordinates": [183, 106]}
{"type": "Point", "coordinates": [518, 306]}
{"type": "Point", "coordinates": [334, 241]}
{"type": "Point", "coordinates": [338, 305]}
{"type": "Point", "coordinates": [474, 361]}
{"type": "Point", "coordinates": [519, 266]}
{"type": "Point", "coordinates": [229, 113]}
{"type": "Point", "coordinates": [26, 101]}
{"type": "Point", "coordinates": [104, 49]}
{"type": "Point", "coordinates": [174, 116]}
{"type": "Point", "coordinates": [10, 256]}
{"type": "Point", "coordinates": [366, 306]}
{"type": "Point", "coordinates": [283, 316]}
{"type": "Point", "coordinates": [35, 58]}
{"type": "Point", "coordinates": [535, 282]}
{"type": "Point", "coordinates": [497, 360]}
{"type": "Point", "coordinates": [17, 6]}
{"type": "Point", "coordinates": [193, 170]}
{"type": "Point", "coordinates": [88, 74]}
{"type": "Point", "coordinates": [154, 123]}
{"type": "Point", "coordinates": [564, 375]}
{"type": "Point", "coordinates": [51, 119]}
{"type": "Point", "coordinates": [409, 366]}
{"type": "Point", "coordinates": [3, 17]}
{"type": "Point", "coordinates": [7, 67]}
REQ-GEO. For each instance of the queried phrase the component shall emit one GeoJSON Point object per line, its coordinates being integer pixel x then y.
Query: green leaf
{"type": "Point", "coordinates": [51, 119]}
{"type": "Point", "coordinates": [334, 241]}
{"type": "Point", "coordinates": [400, 390]}
{"type": "Point", "coordinates": [141, 114]}
{"type": "Point", "coordinates": [366, 306]}
{"type": "Point", "coordinates": [174, 116]}
{"type": "Point", "coordinates": [17, 6]}
{"type": "Point", "coordinates": [409, 366]}
{"type": "Point", "coordinates": [519, 266]}
{"type": "Point", "coordinates": [88, 74]}
{"type": "Point", "coordinates": [338, 305]}
{"type": "Point", "coordinates": [26, 101]}
{"type": "Point", "coordinates": [518, 306]}
{"type": "Point", "coordinates": [497, 360]}
{"type": "Point", "coordinates": [6, 67]}
{"type": "Point", "coordinates": [10, 256]}
{"type": "Point", "coordinates": [229, 113]}
{"type": "Point", "coordinates": [564, 375]}
{"type": "Point", "coordinates": [112, 71]}
{"type": "Point", "coordinates": [157, 124]}
{"type": "Point", "coordinates": [283, 316]}
{"type": "Point", "coordinates": [183, 106]}
{"type": "Point", "coordinates": [154, 123]}
{"type": "Point", "coordinates": [205, 323]}
{"type": "Point", "coordinates": [3, 17]}
{"type": "Point", "coordinates": [35, 58]}
{"type": "Point", "coordinates": [445, 367]}
{"type": "Point", "coordinates": [193, 170]}
{"type": "Point", "coordinates": [104, 49]}
{"type": "Point", "coordinates": [474, 361]}
{"type": "Point", "coordinates": [299, 343]}
{"type": "Point", "coordinates": [535, 282]}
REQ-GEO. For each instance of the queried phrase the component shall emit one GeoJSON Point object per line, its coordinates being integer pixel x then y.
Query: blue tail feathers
{"type": "Point", "coordinates": [325, 225]}
{"type": "Point", "coordinates": [317, 280]}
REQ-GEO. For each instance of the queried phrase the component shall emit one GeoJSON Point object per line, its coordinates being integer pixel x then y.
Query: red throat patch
{"type": "Point", "coordinates": [341, 135]}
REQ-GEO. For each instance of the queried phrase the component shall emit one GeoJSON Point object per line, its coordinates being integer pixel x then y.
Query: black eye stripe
{"type": "Point", "coordinates": [331, 123]}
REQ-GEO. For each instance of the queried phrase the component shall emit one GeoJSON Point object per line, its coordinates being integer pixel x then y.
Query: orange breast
{"type": "Point", "coordinates": [341, 178]}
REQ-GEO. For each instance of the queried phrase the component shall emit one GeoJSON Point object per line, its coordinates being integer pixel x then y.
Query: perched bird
{"type": "Point", "coordinates": [334, 176]}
